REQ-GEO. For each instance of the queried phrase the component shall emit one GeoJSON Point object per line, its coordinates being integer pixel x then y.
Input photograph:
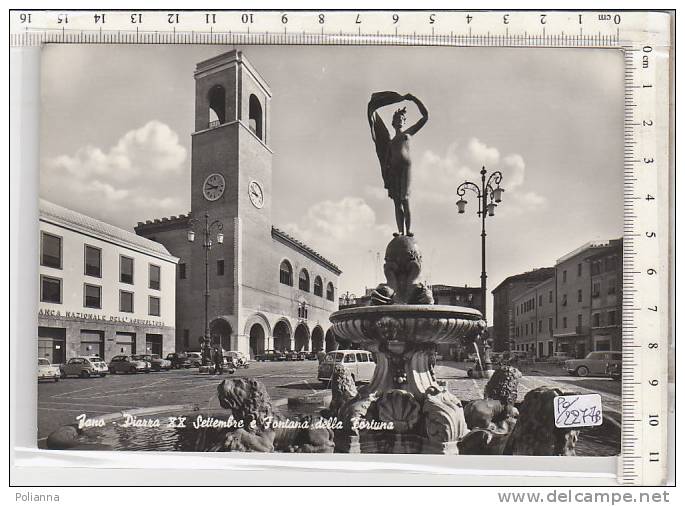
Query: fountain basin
{"type": "Point", "coordinates": [409, 323]}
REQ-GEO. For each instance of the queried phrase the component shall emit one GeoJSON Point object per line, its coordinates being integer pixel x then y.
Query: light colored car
{"type": "Point", "coordinates": [48, 371]}
{"type": "Point", "coordinates": [194, 358]}
{"type": "Point", "coordinates": [237, 358]}
{"type": "Point", "coordinates": [360, 363]}
{"type": "Point", "coordinates": [85, 367]}
{"type": "Point", "coordinates": [157, 363]}
{"type": "Point", "coordinates": [596, 363]}
{"type": "Point", "coordinates": [126, 364]}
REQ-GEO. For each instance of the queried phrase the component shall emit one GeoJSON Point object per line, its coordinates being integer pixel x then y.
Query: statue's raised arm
{"type": "Point", "coordinates": [424, 115]}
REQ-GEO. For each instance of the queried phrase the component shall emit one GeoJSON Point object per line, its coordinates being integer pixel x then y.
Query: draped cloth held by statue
{"type": "Point", "coordinates": [395, 179]}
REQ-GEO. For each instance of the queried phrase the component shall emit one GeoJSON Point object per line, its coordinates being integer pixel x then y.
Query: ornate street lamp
{"type": "Point", "coordinates": [207, 244]}
{"type": "Point", "coordinates": [488, 194]}
{"type": "Point", "coordinates": [348, 298]}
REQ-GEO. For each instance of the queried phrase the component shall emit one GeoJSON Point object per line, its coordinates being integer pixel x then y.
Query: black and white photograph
{"type": "Point", "coordinates": [331, 249]}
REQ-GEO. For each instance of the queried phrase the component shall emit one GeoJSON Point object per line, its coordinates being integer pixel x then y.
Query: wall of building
{"type": "Point", "coordinates": [534, 311]}
{"type": "Point", "coordinates": [76, 320]}
{"type": "Point", "coordinates": [606, 310]}
{"type": "Point", "coordinates": [584, 319]}
{"type": "Point", "coordinates": [573, 304]}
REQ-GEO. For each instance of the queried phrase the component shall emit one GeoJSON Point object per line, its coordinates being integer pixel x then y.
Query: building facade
{"type": "Point", "coordinates": [606, 297]}
{"type": "Point", "coordinates": [504, 312]}
{"type": "Point", "coordinates": [576, 311]}
{"type": "Point", "coordinates": [534, 314]}
{"type": "Point", "coordinates": [267, 290]}
{"type": "Point", "coordinates": [103, 291]}
{"type": "Point", "coordinates": [466, 296]}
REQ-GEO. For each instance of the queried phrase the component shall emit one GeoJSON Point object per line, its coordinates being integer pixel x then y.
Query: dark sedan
{"type": "Point", "coordinates": [270, 356]}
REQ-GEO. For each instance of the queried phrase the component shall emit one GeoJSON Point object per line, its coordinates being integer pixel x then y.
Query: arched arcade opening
{"type": "Point", "coordinates": [256, 339]}
{"type": "Point", "coordinates": [317, 339]}
{"type": "Point", "coordinates": [331, 343]}
{"type": "Point", "coordinates": [282, 336]}
{"type": "Point", "coordinates": [220, 331]}
{"type": "Point", "coordinates": [301, 338]}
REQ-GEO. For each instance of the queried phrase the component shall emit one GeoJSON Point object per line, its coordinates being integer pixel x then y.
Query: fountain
{"type": "Point", "coordinates": [404, 408]}
{"type": "Point", "coordinates": [415, 414]}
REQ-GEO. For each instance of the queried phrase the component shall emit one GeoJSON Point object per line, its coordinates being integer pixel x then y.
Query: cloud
{"type": "Point", "coordinates": [138, 178]}
{"type": "Point", "coordinates": [345, 232]}
{"type": "Point", "coordinates": [436, 177]}
{"type": "Point", "coordinates": [376, 192]}
{"type": "Point", "coordinates": [530, 201]}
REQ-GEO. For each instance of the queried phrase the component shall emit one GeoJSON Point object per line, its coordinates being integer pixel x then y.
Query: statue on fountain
{"type": "Point", "coordinates": [393, 153]}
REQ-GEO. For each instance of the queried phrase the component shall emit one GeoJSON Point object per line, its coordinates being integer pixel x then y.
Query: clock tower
{"type": "Point", "coordinates": [231, 141]}
{"type": "Point", "coordinates": [231, 170]}
{"type": "Point", "coordinates": [267, 290]}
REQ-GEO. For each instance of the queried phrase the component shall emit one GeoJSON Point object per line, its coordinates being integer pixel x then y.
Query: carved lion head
{"type": "Point", "coordinates": [248, 400]}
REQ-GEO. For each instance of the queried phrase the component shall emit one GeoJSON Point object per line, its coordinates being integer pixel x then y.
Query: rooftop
{"type": "Point", "coordinates": [439, 287]}
{"type": "Point", "coordinates": [538, 275]}
{"type": "Point", "coordinates": [277, 233]}
{"type": "Point", "coordinates": [587, 246]}
{"type": "Point", "coordinates": [61, 216]}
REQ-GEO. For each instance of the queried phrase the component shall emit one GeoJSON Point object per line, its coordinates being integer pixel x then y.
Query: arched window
{"type": "Point", "coordinates": [318, 286]}
{"type": "Point", "coordinates": [330, 292]}
{"type": "Point", "coordinates": [286, 273]}
{"type": "Point", "coordinates": [255, 121]}
{"type": "Point", "coordinates": [217, 106]}
{"type": "Point", "coordinates": [304, 280]}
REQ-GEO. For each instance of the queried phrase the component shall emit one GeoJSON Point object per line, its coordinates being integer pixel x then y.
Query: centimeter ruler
{"type": "Point", "coordinates": [643, 37]}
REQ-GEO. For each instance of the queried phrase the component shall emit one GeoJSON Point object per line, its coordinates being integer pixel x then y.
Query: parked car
{"type": "Point", "coordinates": [270, 356]}
{"type": "Point", "coordinates": [292, 355]}
{"type": "Point", "coordinates": [178, 360]}
{"type": "Point", "coordinates": [615, 370]}
{"type": "Point", "coordinates": [595, 363]}
{"type": "Point", "coordinates": [47, 371]}
{"type": "Point", "coordinates": [85, 367]}
{"type": "Point", "coordinates": [312, 355]}
{"type": "Point", "coordinates": [559, 357]}
{"type": "Point", "coordinates": [360, 363]}
{"type": "Point", "coordinates": [126, 364]}
{"type": "Point", "coordinates": [513, 356]}
{"type": "Point", "coordinates": [194, 358]}
{"type": "Point", "coordinates": [157, 363]}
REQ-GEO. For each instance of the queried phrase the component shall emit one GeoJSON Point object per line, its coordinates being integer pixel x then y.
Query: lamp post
{"type": "Point", "coordinates": [488, 198]}
{"type": "Point", "coordinates": [348, 298]}
{"type": "Point", "coordinates": [207, 244]}
{"type": "Point", "coordinates": [489, 194]}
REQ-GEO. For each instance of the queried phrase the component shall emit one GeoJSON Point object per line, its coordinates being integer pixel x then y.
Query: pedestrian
{"type": "Point", "coordinates": [218, 360]}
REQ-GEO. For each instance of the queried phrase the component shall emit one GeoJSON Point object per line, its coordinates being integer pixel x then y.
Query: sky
{"type": "Point", "coordinates": [116, 125]}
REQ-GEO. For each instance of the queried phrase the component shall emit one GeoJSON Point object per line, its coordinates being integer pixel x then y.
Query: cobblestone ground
{"type": "Point", "coordinates": [466, 388]}
{"type": "Point", "coordinates": [59, 403]}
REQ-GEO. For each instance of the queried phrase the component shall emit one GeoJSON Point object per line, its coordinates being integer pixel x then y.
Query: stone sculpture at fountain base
{"type": "Point", "coordinates": [403, 409]}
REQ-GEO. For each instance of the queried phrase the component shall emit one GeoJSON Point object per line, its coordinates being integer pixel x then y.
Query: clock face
{"type": "Point", "coordinates": [256, 194]}
{"type": "Point", "coordinates": [213, 187]}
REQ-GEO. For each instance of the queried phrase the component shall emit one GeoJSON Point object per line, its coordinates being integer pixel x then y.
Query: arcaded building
{"type": "Point", "coordinates": [267, 290]}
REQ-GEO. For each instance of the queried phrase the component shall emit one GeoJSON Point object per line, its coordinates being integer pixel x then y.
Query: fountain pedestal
{"type": "Point", "coordinates": [403, 409]}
